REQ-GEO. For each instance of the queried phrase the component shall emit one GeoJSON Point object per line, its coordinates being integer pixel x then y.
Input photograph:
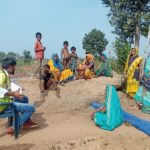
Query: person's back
{"type": "Point", "coordinates": [112, 116]}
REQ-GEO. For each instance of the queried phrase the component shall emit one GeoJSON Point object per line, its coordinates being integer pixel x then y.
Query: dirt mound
{"type": "Point", "coordinates": [65, 122]}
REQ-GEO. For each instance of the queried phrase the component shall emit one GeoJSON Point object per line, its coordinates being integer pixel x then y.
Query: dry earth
{"type": "Point", "coordinates": [65, 122]}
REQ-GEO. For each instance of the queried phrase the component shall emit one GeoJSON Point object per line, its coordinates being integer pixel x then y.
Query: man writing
{"type": "Point", "coordinates": [19, 100]}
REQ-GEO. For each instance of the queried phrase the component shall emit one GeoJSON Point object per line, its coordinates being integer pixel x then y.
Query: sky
{"type": "Point", "coordinates": [57, 20]}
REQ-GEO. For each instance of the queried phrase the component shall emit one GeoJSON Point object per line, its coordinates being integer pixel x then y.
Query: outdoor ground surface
{"type": "Point", "coordinates": [65, 122]}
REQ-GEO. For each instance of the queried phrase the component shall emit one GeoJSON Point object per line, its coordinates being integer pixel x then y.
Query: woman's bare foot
{"type": "Point", "coordinates": [92, 115]}
{"type": "Point", "coordinates": [135, 107]}
{"type": "Point", "coordinates": [129, 97]}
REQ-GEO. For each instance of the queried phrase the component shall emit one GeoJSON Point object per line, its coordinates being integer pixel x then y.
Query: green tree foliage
{"type": "Point", "coordinates": [12, 55]}
{"type": "Point", "coordinates": [94, 42]}
{"type": "Point", "coordinates": [2, 56]}
{"type": "Point", "coordinates": [146, 24]}
{"type": "Point", "coordinates": [27, 56]}
{"type": "Point", "coordinates": [121, 50]}
{"type": "Point", "coordinates": [130, 18]}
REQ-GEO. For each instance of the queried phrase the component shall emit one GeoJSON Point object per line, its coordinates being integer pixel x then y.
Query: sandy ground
{"type": "Point", "coordinates": [65, 122]}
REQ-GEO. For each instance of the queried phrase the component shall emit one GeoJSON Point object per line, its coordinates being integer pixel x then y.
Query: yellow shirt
{"type": "Point", "coordinates": [4, 88]}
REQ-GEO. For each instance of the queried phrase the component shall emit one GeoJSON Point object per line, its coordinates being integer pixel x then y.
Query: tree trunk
{"type": "Point", "coordinates": [137, 36]}
{"type": "Point", "coordinates": [147, 50]}
{"type": "Point", "coordinates": [147, 47]}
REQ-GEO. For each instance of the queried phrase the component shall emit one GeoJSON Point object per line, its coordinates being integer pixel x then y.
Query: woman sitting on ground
{"type": "Point", "coordinates": [109, 115]}
{"type": "Point", "coordinates": [56, 68]}
{"type": "Point", "coordinates": [86, 69]}
{"type": "Point", "coordinates": [142, 97]}
{"type": "Point", "coordinates": [104, 68]}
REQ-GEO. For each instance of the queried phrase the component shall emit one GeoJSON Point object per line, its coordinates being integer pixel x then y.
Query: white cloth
{"type": "Point", "coordinates": [15, 87]}
{"type": "Point", "coordinates": [2, 92]}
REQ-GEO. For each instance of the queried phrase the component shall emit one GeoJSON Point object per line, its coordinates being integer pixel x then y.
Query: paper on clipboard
{"type": "Point", "coordinates": [15, 87]}
{"type": "Point", "coordinates": [2, 92]}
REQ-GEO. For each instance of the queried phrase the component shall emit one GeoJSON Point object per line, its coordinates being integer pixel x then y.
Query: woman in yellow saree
{"type": "Point", "coordinates": [133, 72]}
{"type": "Point", "coordinates": [86, 69]}
{"type": "Point", "coordinates": [56, 68]}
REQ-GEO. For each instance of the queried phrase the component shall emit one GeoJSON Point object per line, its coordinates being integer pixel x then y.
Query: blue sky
{"type": "Point", "coordinates": [57, 20]}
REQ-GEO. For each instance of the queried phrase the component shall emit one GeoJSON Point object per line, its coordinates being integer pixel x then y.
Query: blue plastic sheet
{"type": "Point", "coordinates": [136, 122]}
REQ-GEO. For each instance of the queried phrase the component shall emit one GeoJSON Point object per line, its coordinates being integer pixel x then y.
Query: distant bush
{"type": "Point", "coordinates": [94, 42]}
{"type": "Point", "coordinates": [2, 56]}
{"type": "Point", "coordinates": [121, 50]}
{"type": "Point", "coordinates": [27, 56]}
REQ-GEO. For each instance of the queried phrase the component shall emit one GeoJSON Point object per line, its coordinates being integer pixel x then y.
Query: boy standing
{"type": "Point", "coordinates": [73, 59]}
{"type": "Point", "coordinates": [65, 55]}
{"type": "Point", "coordinates": [39, 51]}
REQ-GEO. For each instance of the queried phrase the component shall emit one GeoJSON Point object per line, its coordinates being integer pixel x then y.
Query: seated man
{"type": "Point", "coordinates": [47, 80]}
{"type": "Point", "coordinates": [18, 99]}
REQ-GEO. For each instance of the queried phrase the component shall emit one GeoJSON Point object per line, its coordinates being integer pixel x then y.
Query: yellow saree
{"type": "Point", "coordinates": [132, 70]}
{"type": "Point", "coordinates": [87, 73]}
{"type": "Point", "coordinates": [56, 72]}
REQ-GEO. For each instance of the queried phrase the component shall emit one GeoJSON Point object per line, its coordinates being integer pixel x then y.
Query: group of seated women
{"type": "Point", "coordinates": [85, 70]}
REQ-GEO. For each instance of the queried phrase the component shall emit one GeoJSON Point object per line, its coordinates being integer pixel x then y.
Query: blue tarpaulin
{"type": "Point", "coordinates": [136, 122]}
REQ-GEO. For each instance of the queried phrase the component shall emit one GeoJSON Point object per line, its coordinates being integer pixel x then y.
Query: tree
{"type": "Point", "coordinates": [94, 42]}
{"type": "Point", "coordinates": [121, 50]}
{"type": "Point", "coordinates": [27, 56]}
{"type": "Point", "coordinates": [2, 56]}
{"type": "Point", "coordinates": [11, 55]}
{"type": "Point", "coordinates": [130, 18]}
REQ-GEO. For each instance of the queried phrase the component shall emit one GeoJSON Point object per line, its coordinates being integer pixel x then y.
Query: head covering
{"type": "Point", "coordinates": [129, 56]}
{"type": "Point", "coordinates": [57, 63]}
{"type": "Point", "coordinates": [137, 51]}
{"type": "Point", "coordinates": [114, 115]}
{"type": "Point", "coordinates": [90, 56]}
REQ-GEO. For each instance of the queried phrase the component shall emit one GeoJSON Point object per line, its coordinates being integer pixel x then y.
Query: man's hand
{"type": "Point", "coordinates": [18, 95]}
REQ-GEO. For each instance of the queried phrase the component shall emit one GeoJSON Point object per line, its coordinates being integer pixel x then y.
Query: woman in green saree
{"type": "Point", "coordinates": [110, 115]}
{"type": "Point", "coordinates": [104, 68]}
